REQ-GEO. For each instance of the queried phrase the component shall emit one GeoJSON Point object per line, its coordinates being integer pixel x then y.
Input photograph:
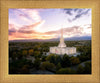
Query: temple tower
{"type": "Point", "coordinates": [62, 44]}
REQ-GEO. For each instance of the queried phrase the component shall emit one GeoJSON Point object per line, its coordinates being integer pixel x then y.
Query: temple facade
{"type": "Point", "coordinates": [62, 48]}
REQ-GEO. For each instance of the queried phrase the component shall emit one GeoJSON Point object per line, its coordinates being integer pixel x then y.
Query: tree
{"type": "Point", "coordinates": [51, 58]}
{"type": "Point", "coordinates": [44, 58]}
{"type": "Point", "coordinates": [14, 55]}
{"type": "Point", "coordinates": [19, 54]}
{"type": "Point", "coordinates": [58, 66]}
{"type": "Point", "coordinates": [36, 54]}
{"type": "Point", "coordinates": [30, 64]}
{"type": "Point", "coordinates": [36, 47]}
{"type": "Point", "coordinates": [87, 68]}
{"type": "Point", "coordinates": [30, 51]}
{"type": "Point", "coordinates": [37, 63]}
{"type": "Point", "coordinates": [25, 69]}
{"type": "Point", "coordinates": [80, 69]}
{"type": "Point", "coordinates": [47, 66]}
{"type": "Point", "coordinates": [13, 70]}
{"type": "Point", "coordinates": [24, 52]}
{"type": "Point", "coordinates": [75, 60]}
{"type": "Point", "coordinates": [58, 59]}
{"type": "Point", "coordinates": [66, 61]}
{"type": "Point", "coordinates": [65, 71]}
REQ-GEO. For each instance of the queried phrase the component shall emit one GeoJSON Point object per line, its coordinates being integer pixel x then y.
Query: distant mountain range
{"type": "Point", "coordinates": [79, 38]}
{"type": "Point", "coordinates": [54, 39]}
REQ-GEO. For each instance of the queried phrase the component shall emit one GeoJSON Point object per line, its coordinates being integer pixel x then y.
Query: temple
{"type": "Point", "coordinates": [62, 48]}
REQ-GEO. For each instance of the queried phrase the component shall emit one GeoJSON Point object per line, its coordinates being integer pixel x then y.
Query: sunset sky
{"type": "Point", "coordinates": [46, 23]}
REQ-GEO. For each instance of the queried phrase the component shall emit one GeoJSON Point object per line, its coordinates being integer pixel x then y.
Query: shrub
{"type": "Point", "coordinates": [37, 63]}
{"type": "Point", "coordinates": [65, 71]}
{"type": "Point", "coordinates": [75, 60]}
{"type": "Point", "coordinates": [31, 52]}
{"type": "Point", "coordinates": [44, 58]}
{"type": "Point", "coordinates": [58, 66]}
{"type": "Point", "coordinates": [66, 61]}
{"type": "Point", "coordinates": [36, 54]}
{"type": "Point", "coordinates": [51, 58]}
{"type": "Point", "coordinates": [25, 69]}
{"type": "Point", "coordinates": [80, 69]}
{"type": "Point", "coordinates": [47, 66]}
{"type": "Point", "coordinates": [24, 52]}
{"type": "Point", "coordinates": [87, 68]}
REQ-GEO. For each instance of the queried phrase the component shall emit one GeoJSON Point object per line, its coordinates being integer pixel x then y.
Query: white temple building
{"type": "Point", "coordinates": [62, 48]}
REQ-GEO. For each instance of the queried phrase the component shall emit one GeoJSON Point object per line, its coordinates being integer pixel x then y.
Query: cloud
{"type": "Point", "coordinates": [74, 14]}
{"type": "Point", "coordinates": [24, 18]}
{"type": "Point", "coordinates": [28, 32]}
{"type": "Point", "coordinates": [68, 11]}
{"type": "Point", "coordinates": [12, 29]}
{"type": "Point", "coordinates": [52, 32]}
{"type": "Point", "coordinates": [67, 31]}
{"type": "Point", "coordinates": [31, 13]}
{"type": "Point", "coordinates": [28, 29]}
{"type": "Point", "coordinates": [41, 23]}
{"type": "Point", "coordinates": [11, 26]}
{"type": "Point", "coordinates": [70, 31]}
{"type": "Point", "coordinates": [22, 36]}
{"type": "Point", "coordinates": [81, 14]}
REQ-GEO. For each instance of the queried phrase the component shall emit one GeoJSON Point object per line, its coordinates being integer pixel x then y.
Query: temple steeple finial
{"type": "Point", "coordinates": [62, 44]}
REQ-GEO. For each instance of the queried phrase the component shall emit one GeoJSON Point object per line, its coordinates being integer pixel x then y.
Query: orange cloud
{"type": "Point", "coordinates": [28, 32]}
{"type": "Point", "coordinates": [28, 29]}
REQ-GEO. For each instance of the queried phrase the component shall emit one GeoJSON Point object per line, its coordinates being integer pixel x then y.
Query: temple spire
{"type": "Point", "coordinates": [62, 44]}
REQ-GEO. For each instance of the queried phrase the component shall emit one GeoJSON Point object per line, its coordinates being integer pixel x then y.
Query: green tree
{"type": "Point", "coordinates": [80, 69]}
{"type": "Point", "coordinates": [37, 63]}
{"type": "Point", "coordinates": [19, 54]}
{"type": "Point", "coordinates": [25, 69]}
{"type": "Point", "coordinates": [44, 58]}
{"type": "Point", "coordinates": [37, 54]}
{"type": "Point", "coordinates": [66, 61]}
{"type": "Point", "coordinates": [75, 60]}
{"type": "Point", "coordinates": [58, 66]}
{"type": "Point", "coordinates": [36, 47]}
{"type": "Point", "coordinates": [65, 71]}
{"type": "Point", "coordinates": [13, 70]}
{"type": "Point", "coordinates": [24, 52]}
{"type": "Point", "coordinates": [58, 59]}
{"type": "Point", "coordinates": [87, 68]}
{"type": "Point", "coordinates": [51, 58]}
{"type": "Point", "coordinates": [14, 55]}
{"type": "Point", "coordinates": [47, 66]}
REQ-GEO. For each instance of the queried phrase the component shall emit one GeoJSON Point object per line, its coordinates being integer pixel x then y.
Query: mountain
{"type": "Point", "coordinates": [54, 39]}
{"type": "Point", "coordinates": [78, 38]}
